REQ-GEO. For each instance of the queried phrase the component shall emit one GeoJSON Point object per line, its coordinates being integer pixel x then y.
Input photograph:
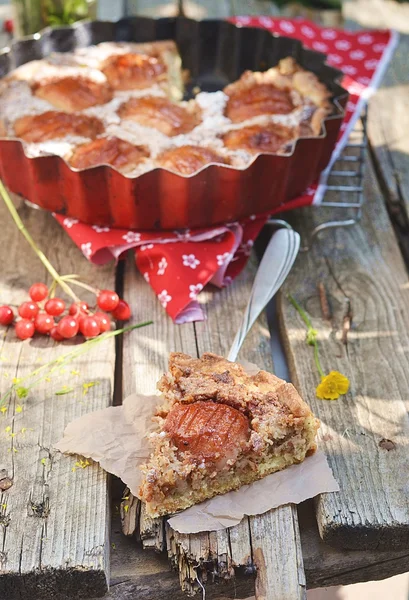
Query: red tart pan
{"type": "Point", "coordinates": [215, 53]}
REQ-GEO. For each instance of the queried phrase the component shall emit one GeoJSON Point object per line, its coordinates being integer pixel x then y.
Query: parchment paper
{"type": "Point", "coordinates": [116, 437]}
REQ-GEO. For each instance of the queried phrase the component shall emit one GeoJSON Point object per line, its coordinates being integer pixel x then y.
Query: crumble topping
{"type": "Point", "coordinates": [220, 428]}
{"type": "Point", "coordinates": [117, 82]}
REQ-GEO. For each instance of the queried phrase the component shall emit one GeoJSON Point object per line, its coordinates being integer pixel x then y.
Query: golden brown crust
{"type": "Point", "coordinates": [54, 124]}
{"type": "Point", "coordinates": [249, 98]}
{"type": "Point", "coordinates": [112, 151]}
{"type": "Point", "coordinates": [133, 71]}
{"type": "Point", "coordinates": [213, 377]}
{"type": "Point", "coordinates": [160, 113]}
{"type": "Point", "coordinates": [188, 159]}
{"type": "Point", "coordinates": [73, 94]}
{"type": "Point", "coordinates": [220, 428]}
{"type": "Point", "coordinates": [255, 139]}
{"type": "Point", "coordinates": [276, 91]}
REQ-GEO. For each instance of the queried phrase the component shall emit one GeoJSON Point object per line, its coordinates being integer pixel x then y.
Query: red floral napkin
{"type": "Point", "coordinates": [178, 265]}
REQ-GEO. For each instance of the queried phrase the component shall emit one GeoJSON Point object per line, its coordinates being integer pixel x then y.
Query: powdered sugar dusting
{"type": "Point", "coordinates": [17, 99]}
{"type": "Point", "coordinates": [40, 70]}
{"type": "Point", "coordinates": [62, 147]}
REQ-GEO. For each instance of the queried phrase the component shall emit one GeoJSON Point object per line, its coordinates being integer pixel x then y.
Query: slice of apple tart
{"type": "Point", "coordinates": [220, 428]}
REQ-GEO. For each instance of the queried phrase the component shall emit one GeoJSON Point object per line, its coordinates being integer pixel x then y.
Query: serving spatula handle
{"type": "Point", "coordinates": [274, 267]}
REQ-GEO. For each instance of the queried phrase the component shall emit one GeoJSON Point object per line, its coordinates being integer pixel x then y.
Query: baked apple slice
{"type": "Point", "coordinates": [133, 71]}
{"type": "Point", "coordinates": [259, 138]}
{"type": "Point", "coordinates": [160, 113]}
{"type": "Point", "coordinates": [73, 94]}
{"type": "Point", "coordinates": [52, 125]}
{"type": "Point", "coordinates": [108, 151]}
{"type": "Point", "coordinates": [277, 91]}
{"type": "Point", "coordinates": [188, 159]}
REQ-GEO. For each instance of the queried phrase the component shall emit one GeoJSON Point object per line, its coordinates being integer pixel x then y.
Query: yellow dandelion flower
{"type": "Point", "coordinates": [332, 386]}
{"type": "Point", "coordinates": [82, 463]}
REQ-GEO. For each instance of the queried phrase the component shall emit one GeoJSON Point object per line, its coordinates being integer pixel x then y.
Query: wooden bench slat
{"type": "Point", "coordinates": [214, 9]}
{"type": "Point", "coordinates": [224, 312]}
{"type": "Point", "coordinates": [387, 120]}
{"type": "Point", "coordinates": [366, 282]}
{"type": "Point", "coordinates": [55, 521]}
{"type": "Point", "coordinates": [254, 7]}
{"type": "Point", "coordinates": [145, 359]}
{"type": "Point", "coordinates": [136, 573]}
{"type": "Point", "coordinates": [277, 555]}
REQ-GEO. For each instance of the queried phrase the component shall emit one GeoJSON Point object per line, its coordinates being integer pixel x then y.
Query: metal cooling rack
{"type": "Point", "coordinates": [344, 192]}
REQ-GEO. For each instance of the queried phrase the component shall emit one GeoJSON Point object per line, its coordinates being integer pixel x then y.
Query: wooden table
{"type": "Point", "coordinates": [55, 519]}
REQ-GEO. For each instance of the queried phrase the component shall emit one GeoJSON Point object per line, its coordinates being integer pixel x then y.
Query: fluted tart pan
{"type": "Point", "coordinates": [215, 53]}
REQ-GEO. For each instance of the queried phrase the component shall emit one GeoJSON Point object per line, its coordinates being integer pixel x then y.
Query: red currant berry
{"type": "Point", "coordinates": [55, 307]}
{"type": "Point", "coordinates": [55, 335]}
{"type": "Point", "coordinates": [28, 310]}
{"type": "Point", "coordinates": [103, 321]}
{"type": "Point", "coordinates": [44, 323]}
{"type": "Point", "coordinates": [89, 327]}
{"type": "Point", "coordinates": [38, 292]}
{"type": "Point", "coordinates": [68, 327]}
{"type": "Point", "coordinates": [122, 311]}
{"type": "Point", "coordinates": [107, 300]}
{"type": "Point", "coordinates": [6, 315]}
{"type": "Point", "coordinates": [78, 307]}
{"type": "Point", "coordinates": [24, 329]}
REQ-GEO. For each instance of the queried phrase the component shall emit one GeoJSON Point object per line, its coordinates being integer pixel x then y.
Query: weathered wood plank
{"type": "Point", "coordinates": [55, 522]}
{"type": "Point", "coordinates": [254, 7]}
{"type": "Point", "coordinates": [387, 121]}
{"type": "Point", "coordinates": [109, 11]}
{"type": "Point", "coordinates": [377, 14]}
{"type": "Point", "coordinates": [277, 555]}
{"type": "Point", "coordinates": [240, 546]}
{"type": "Point", "coordinates": [326, 566]}
{"type": "Point", "coordinates": [215, 9]}
{"type": "Point", "coordinates": [366, 284]}
{"type": "Point", "coordinates": [136, 573]}
{"type": "Point", "coordinates": [388, 118]}
{"type": "Point", "coordinates": [275, 578]}
{"type": "Point", "coordinates": [145, 356]}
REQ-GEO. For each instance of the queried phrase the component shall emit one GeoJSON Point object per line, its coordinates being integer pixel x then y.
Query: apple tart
{"type": "Point", "coordinates": [219, 428]}
{"type": "Point", "coordinates": [120, 104]}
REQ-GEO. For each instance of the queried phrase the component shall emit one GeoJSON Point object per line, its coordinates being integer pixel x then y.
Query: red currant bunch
{"type": "Point", "coordinates": [47, 315]}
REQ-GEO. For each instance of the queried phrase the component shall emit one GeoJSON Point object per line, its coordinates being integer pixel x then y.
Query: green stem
{"type": "Point", "coordinates": [317, 360]}
{"type": "Point", "coordinates": [308, 323]}
{"type": "Point", "coordinates": [74, 281]}
{"type": "Point", "coordinates": [20, 225]}
{"type": "Point", "coordinates": [62, 360]}
{"type": "Point", "coordinates": [300, 311]}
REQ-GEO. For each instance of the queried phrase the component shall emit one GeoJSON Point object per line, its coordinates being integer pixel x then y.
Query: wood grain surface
{"type": "Point", "coordinates": [367, 338]}
{"type": "Point", "coordinates": [54, 519]}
